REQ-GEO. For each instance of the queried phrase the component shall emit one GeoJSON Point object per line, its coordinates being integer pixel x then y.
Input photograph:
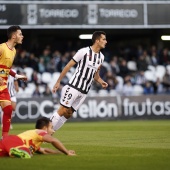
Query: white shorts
{"type": "Point", "coordinates": [71, 97]}
{"type": "Point", "coordinates": [14, 99]}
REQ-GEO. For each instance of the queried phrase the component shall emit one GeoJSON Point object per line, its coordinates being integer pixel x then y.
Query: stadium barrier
{"type": "Point", "coordinates": [98, 108]}
{"type": "Point", "coordinates": [82, 14]}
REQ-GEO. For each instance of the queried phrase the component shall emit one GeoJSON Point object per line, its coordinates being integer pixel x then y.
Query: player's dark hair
{"type": "Point", "coordinates": [97, 35]}
{"type": "Point", "coordinates": [41, 122]}
{"type": "Point", "coordinates": [11, 30]}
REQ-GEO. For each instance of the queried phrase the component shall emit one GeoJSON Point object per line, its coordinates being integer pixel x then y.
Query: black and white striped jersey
{"type": "Point", "coordinates": [11, 86]}
{"type": "Point", "coordinates": [88, 63]}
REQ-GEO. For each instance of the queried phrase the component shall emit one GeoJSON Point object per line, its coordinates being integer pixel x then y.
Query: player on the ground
{"type": "Point", "coordinates": [7, 55]}
{"type": "Point", "coordinates": [25, 144]}
{"type": "Point", "coordinates": [88, 60]}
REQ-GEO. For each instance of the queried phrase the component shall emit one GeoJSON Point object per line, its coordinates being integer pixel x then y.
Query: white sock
{"type": "Point", "coordinates": [55, 118]}
{"type": "Point", "coordinates": [60, 123]}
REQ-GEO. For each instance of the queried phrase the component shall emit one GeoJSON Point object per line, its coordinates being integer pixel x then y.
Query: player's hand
{"type": "Point", "coordinates": [104, 85]}
{"type": "Point", "coordinates": [24, 78]}
{"type": "Point", "coordinates": [1, 81]}
{"type": "Point", "coordinates": [56, 87]}
{"type": "Point", "coordinates": [17, 89]}
{"type": "Point", "coordinates": [71, 153]}
{"type": "Point", "coordinates": [21, 77]}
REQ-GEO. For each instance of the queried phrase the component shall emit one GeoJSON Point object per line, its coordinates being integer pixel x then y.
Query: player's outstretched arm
{"type": "Point", "coordinates": [48, 151]}
{"type": "Point", "coordinates": [70, 64]}
{"type": "Point", "coordinates": [52, 151]}
{"type": "Point", "coordinates": [21, 77]}
{"type": "Point", "coordinates": [58, 145]}
{"type": "Point", "coordinates": [17, 76]}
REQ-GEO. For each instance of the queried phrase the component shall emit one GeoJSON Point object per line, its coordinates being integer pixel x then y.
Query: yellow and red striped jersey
{"type": "Point", "coordinates": [6, 61]}
{"type": "Point", "coordinates": [33, 138]}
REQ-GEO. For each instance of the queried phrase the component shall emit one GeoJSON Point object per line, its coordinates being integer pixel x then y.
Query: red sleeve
{"type": "Point", "coordinates": [42, 133]}
{"type": "Point", "coordinates": [38, 149]}
{"type": "Point", "coordinates": [12, 73]}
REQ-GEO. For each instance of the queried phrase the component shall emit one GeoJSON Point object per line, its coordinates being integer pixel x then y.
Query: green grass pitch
{"type": "Point", "coordinates": [111, 145]}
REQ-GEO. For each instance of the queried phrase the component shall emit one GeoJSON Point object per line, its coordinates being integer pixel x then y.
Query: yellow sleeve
{"type": "Point", "coordinates": [1, 49]}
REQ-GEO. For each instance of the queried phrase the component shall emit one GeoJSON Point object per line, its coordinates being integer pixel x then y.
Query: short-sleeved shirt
{"type": "Point", "coordinates": [33, 138]}
{"type": "Point", "coordinates": [88, 63]}
{"type": "Point", "coordinates": [6, 61]}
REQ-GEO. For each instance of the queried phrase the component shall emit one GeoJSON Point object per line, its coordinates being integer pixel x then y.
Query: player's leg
{"type": "Point", "coordinates": [14, 147]}
{"type": "Point", "coordinates": [6, 119]}
{"type": "Point", "coordinates": [1, 114]}
{"type": "Point", "coordinates": [6, 106]}
{"type": "Point", "coordinates": [3, 151]}
{"type": "Point", "coordinates": [68, 112]}
{"type": "Point", "coordinates": [14, 103]}
{"type": "Point", "coordinates": [78, 99]}
{"type": "Point", "coordinates": [19, 153]}
{"type": "Point", "coordinates": [65, 111]}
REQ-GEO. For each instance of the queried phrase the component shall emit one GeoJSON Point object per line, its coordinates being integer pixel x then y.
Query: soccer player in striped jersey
{"type": "Point", "coordinates": [13, 88]}
{"type": "Point", "coordinates": [89, 61]}
{"type": "Point", "coordinates": [7, 55]}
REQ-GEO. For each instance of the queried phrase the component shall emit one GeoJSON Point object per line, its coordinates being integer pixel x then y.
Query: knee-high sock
{"type": "Point", "coordinates": [60, 122]}
{"type": "Point", "coordinates": [55, 118]}
{"type": "Point", "coordinates": [57, 121]}
{"type": "Point", "coordinates": [6, 120]}
{"type": "Point", "coordinates": [1, 113]}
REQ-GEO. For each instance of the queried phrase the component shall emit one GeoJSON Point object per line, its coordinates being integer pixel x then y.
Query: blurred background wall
{"type": "Point", "coordinates": [137, 58]}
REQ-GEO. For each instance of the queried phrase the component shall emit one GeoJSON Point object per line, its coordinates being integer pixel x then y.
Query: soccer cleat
{"type": "Point", "coordinates": [14, 152]}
